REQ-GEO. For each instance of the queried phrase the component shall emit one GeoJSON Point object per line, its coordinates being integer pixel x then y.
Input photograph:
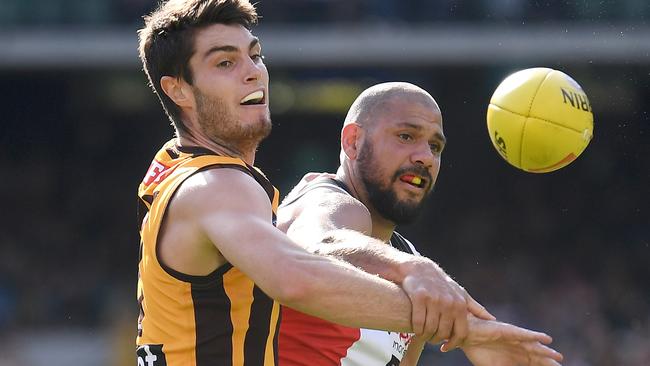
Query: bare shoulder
{"type": "Point", "coordinates": [336, 202]}
{"type": "Point", "coordinates": [331, 209]}
{"type": "Point", "coordinates": [201, 205]}
{"type": "Point", "coordinates": [218, 189]}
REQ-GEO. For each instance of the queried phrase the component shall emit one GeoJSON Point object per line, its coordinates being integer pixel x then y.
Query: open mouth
{"type": "Point", "coordinates": [254, 98]}
{"type": "Point", "coordinates": [414, 180]}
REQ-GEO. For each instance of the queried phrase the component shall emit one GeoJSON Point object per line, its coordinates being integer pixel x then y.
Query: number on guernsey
{"type": "Point", "coordinates": [151, 355]}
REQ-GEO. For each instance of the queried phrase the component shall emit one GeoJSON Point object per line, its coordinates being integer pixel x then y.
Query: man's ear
{"type": "Point", "coordinates": [351, 138]}
{"type": "Point", "coordinates": [178, 91]}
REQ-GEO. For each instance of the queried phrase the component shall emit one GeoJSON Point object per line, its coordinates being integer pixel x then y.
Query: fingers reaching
{"type": "Point", "coordinates": [418, 315]}
{"type": "Point", "coordinates": [460, 332]}
{"type": "Point", "coordinates": [440, 306]}
{"type": "Point", "coordinates": [536, 361]}
{"type": "Point", "coordinates": [514, 333]}
{"type": "Point", "coordinates": [477, 309]}
{"type": "Point", "coordinates": [539, 350]}
{"type": "Point", "coordinates": [445, 327]}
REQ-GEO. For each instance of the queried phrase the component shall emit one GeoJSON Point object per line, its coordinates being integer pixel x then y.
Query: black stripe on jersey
{"type": "Point", "coordinates": [172, 152]}
{"type": "Point", "coordinates": [339, 184]}
{"type": "Point", "coordinates": [215, 276]}
{"type": "Point", "coordinates": [397, 241]}
{"type": "Point", "coordinates": [229, 166]}
{"type": "Point", "coordinates": [264, 182]}
{"type": "Point", "coordinates": [148, 198]}
{"type": "Point", "coordinates": [195, 150]}
{"type": "Point", "coordinates": [142, 209]}
{"type": "Point", "coordinates": [258, 332]}
{"type": "Point", "coordinates": [214, 327]}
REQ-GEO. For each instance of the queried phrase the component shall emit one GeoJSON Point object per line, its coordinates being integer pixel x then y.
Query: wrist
{"type": "Point", "coordinates": [410, 265]}
{"type": "Point", "coordinates": [417, 344]}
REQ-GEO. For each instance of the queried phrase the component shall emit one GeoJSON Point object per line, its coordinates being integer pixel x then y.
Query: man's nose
{"type": "Point", "coordinates": [253, 71]}
{"type": "Point", "coordinates": [423, 156]}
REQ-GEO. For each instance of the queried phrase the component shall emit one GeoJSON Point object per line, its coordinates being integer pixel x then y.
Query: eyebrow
{"type": "Point", "coordinates": [437, 135]}
{"type": "Point", "coordinates": [229, 48]}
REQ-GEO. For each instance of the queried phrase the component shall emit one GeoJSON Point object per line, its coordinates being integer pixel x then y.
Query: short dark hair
{"type": "Point", "coordinates": [167, 40]}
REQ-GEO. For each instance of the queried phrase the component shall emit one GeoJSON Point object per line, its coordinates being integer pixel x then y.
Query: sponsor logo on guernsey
{"type": "Point", "coordinates": [400, 342]}
{"type": "Point", "coordinates": [399, 348]}
{"type": "Point", "coordinates": [157, 171]}
{"type": "Point", "coordinates": [406, 337]}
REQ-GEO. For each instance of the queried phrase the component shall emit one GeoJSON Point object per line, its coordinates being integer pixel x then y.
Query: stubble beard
{"type": "Point", "coordinates": [380, 194]}
{"type": "Point", "coordinates": [223, 127]}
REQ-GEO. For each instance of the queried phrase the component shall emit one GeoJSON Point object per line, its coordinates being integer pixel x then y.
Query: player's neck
{"type": "Point", "coordinates": [382, 228]}
{"type": "Point", "coordinates": [247, 155]}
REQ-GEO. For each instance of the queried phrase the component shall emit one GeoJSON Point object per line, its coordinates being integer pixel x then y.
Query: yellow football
{"type": "Point", "coordinates": [540, 120]}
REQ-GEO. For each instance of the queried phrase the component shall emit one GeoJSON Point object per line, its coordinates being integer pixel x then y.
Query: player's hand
{"type": "Point", "coordinates": [495, 343]}
{"type": "Point", "coordinates": [440, 307]}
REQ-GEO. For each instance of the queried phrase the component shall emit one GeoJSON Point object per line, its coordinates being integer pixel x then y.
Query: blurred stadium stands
{"type": "Point", "coordinates": [566, 252]}
{"type": "Point", "coordinates": [20, 13]}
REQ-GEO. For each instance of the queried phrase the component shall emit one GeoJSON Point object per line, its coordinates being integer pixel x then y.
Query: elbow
{"type": "Point", "coordinates": [295, 288]}
{"type": "Point", "coordinates": [294, 292]}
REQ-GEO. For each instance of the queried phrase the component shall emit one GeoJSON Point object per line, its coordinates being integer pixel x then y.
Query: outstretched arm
{"type": "Point", "coordinates": [492, 343]}
{"type": "Point", "coordinates": [496, 343]}
{"type": "Point", "coordinates": [232, 212]}
{"type": "Point", "coordinates": [332, 223]}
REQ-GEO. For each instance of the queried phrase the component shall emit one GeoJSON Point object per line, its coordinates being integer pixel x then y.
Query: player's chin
{"type": "Point", "coordinates": [410, 199]}
{"type": "Point", "coordinates": [257, 120]}
{"type": "Point", "coordinates": [256, 113]}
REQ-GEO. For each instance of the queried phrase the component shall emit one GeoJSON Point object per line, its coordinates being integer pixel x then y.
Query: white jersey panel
{"type": "Point", "coordinates": [377, 348]}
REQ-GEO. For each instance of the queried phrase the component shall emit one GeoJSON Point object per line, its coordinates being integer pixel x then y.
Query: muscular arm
{"type": "Point", "coordinates": [333, 223]}
{"type": "Point", "coordinates": [345, 225]}
{"type": "Point", "coordinates": [229, 209]}
{"type": "Point", "coordinates": [329, 217]}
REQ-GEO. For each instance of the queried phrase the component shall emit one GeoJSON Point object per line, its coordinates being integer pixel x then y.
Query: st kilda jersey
{"type": "Point", "coordinates": [308, 341]}
{"type": "Point", "coordinates": [215, 320]}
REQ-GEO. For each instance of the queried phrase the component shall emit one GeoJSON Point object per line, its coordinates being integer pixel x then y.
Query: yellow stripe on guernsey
{"type": "Point", "coordinates": [218, 319]}
{"type": "Point", "coordinates": [242, 295]}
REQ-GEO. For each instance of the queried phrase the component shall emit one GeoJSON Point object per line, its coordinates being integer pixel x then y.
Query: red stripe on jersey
{"type": "Point", "coordinates": [306, 341]}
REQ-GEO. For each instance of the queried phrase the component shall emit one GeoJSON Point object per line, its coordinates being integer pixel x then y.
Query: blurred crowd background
{"type": "Point", "coordinates": [128, 12]}
{"type": "Point", "coordinates": [567, 252]}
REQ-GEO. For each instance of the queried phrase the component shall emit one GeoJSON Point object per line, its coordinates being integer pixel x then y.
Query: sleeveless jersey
{"type": "Point", "coordinates": [215, 320]}
{"type": "Point", "coordinates": [307, 341]}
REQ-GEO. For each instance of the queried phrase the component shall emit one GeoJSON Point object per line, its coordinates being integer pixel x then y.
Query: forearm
{"type": "Point", "coordinates": [338, 292]}
{"type": "Point", "coordinates": [413, 352]}
{"type": "Point", "coordinates": [369, 254]}
{"type": "Point", "coordinates": [314, 284]}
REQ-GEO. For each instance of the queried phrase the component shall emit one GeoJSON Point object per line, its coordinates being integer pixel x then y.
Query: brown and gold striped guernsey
{"type": "Point", "coordinates": [222, 319]}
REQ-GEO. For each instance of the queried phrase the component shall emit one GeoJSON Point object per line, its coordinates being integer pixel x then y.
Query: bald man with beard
{"type": "Point", "coordinates": [391, 145]}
